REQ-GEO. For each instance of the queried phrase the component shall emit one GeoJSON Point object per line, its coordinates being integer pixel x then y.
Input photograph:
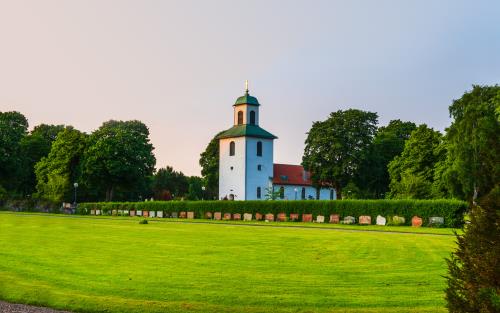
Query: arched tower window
{"type": "Point", "coordinates": [258, 193]}
{"type": "Point", "coordinates": [259, 148]}
{"type": "Point", "coordinates": [282, 192]}
{"type": "Point", "coordinates": [252, 117]}
{"type": "Point", "coordinates": [303, 193]}
{"type": "Point", "coordinates": [240, 117]}
{"type": "Point", "coordinates": [232, 148]}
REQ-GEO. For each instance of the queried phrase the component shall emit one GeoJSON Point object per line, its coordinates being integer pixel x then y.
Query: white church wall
{"type": "Point", "coordinates": [232, 181]}
{"type": "Point", "coordinates": [256, 178]}
{"type": "Point", "coordinates": [310, 192]}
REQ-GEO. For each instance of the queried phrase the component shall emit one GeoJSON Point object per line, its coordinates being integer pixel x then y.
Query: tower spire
{"type": "Point", "coordinates": [246, 86]}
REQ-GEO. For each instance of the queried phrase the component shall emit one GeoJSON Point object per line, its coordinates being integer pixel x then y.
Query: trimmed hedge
{"type": "Point", "coordinates": [451, 210]}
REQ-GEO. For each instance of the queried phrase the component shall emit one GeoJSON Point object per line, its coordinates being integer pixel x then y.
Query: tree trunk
{"type": "Point", "coordinates": [109, 194]}
{"type": "Point", "coordinates": [338, 189]}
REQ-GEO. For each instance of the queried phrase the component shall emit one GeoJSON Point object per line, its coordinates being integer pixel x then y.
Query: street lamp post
{"type": "Point", "coordinates": [76, 186]}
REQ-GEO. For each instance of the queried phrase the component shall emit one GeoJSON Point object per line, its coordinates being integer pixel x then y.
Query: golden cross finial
{"type": "Point", "coordinates": [246, 86]}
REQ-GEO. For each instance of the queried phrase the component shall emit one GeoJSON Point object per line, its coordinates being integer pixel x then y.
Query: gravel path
{"type": "Point", "coordinates": [6, 307]}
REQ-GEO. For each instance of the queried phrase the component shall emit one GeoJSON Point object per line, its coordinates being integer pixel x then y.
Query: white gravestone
{"type": "Point", "coordinates": [320, 219]}
{"type": "Point", "coordinates": [152, 213]}
{"type": "Point", "coordinates": [138, 213]}
{"type": "Point", "coordinates": [247, 217]}
{"type": "Point", "coordinates": [381, 220]}
{"type": "Point", "coordinates": [159, 214]}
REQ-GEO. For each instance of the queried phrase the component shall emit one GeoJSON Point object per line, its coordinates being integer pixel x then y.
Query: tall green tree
{"type": "Point", "coordinates": [34, 147]}
{"type": "Point", "coordinates": [59, 170]}
{"type": "Point", "coordinates": [412, 172]}
{"type": "Point", "coordinates": [473, 270]}
{"type": "Point", "coordinates": [13, 128]}
{"type": "Point", "coordinates": [335, 147]}
{"type": "Point", "coordinates": [168, 183]}
{"type": "Point", "coordinates": [119, 158]}
{"type": "Point", "coordinates": [195, 191]}
{"type": "Point", "coordinates": [209, 162]}
{"type": "Point", "coordinates": [473, 142]}
{"type": "Point", "coordinates": [389, 141]}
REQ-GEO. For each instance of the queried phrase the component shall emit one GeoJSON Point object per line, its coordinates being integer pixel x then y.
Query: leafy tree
{"type": "Point", "coordinates": [168, 183]}
{"type": "Point", "coordinates": [473, 142]}
{"type": "Point", "coordinates": [473, 270]}
{"type": "Point", "coordinates": [13, 128]}
{"type": "Point", "coordinates": [33, 147]}
{"type": "Point", "coordinates": [56, 173]}
{"type": "Point", "coordinates": [119, 158]}
{"type": "Point", "coordinates": [209, 162]}
{"type": "Point", "coordinates": [389, 141]}
{"type": "Point", "coordinates": [335, 147]}
{"type": "Point", "coordinates": [195, 191]}
{"type": "Point", "coordinates": [412, 172]}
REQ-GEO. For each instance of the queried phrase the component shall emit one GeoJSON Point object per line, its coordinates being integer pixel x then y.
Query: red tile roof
{"type": "Point", "coordinates": [287, 174]}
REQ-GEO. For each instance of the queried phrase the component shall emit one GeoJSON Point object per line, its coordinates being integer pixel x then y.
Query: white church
{"type": "Point", "coordinates": [246, 166]}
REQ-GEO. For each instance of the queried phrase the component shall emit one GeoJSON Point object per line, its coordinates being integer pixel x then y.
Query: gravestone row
{"type": "Point", "coordinates": [416, 221]}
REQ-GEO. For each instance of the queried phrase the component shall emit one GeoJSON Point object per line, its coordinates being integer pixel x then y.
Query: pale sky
{"type": "Point", "coordinates": [178, 66]}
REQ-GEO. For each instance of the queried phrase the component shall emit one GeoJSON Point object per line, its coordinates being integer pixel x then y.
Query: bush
{"type": "Point", "coordinates": [473, 270]}
{"type": "Point", "coordinates": [143, 221]}
{"type": "Point", "coordinates": [451, 210]}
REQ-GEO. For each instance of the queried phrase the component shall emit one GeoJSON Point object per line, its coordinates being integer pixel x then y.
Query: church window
{"type": "Point", "coordinates": [252, 117]}
{"type": "Point", "coordinates": [240, 117]}
{"type": "Point", "coordinates": [259, 148]}
{"type": "Point", "coordinates": [331, 194]}
{"type": "Point", "coordinates": [303, 193]}
{"type": "Point", "coordinates": [232, 168]}
{"type": "Point", "coordinates": [259, 167]}
{"type": "Point", "coordinates": [232, 148]}
{"type": "Point", "coordinates": [282, 192]}
{"type": "Point", "coordinates": [317, 193]}
{"type": "Point", "coordinates": [258, 193]}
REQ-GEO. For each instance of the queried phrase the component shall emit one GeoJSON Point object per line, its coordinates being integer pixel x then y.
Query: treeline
{"type": "Point", "coordinates": [114, 162]}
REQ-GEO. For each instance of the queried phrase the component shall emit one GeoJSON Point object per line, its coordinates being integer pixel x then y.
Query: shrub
{"type": "Point", "coordinates": [451, 210]}
{"type": "Point", "coordinates": [473, 270]}
{"type": "Point", "coordinates": [143, 221]}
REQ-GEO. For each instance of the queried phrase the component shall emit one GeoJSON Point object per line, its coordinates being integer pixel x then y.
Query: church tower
{"type": "Point", "coordinates": [245, 154]}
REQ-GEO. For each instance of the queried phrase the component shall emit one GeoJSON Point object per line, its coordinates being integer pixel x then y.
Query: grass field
{"type": "Point", "coordinates": [118, 265]}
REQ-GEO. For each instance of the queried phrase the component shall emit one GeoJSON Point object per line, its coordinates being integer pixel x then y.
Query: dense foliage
{"type": "Point", "coordinates": [335, 147]}
{"type": "Point", "coordinates": [474, 269]}
{"type": "Point", "coordinates": [451, 210]}
{"type": "Point", "coordinates": [209, 162]}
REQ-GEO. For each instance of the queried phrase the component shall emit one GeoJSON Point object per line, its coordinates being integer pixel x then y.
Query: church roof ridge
{"type": "Point", "coordinates": [247, 130]}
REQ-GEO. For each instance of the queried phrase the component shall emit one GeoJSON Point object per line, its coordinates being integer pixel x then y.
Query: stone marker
{"type": "Point", "coordinates": [416, 221]}
{"type": "Point", "coordinates": [92, 212]}
{"type": "Point", "coordinates": [152, 213]}
{"type": "Point", "coordinates": [398, 220]}
{"type": "Point", "coordinates": [125, 212]}
{"type": "Point", "coordinates": [132, 212]}
{"type": "Point", "coordinates": [114, 212]}
{"type": "Point", "coordinates": [159, 214]}
{"type": "Point", "coordinates": [120, 212]}
{"type": "Point", "coordinates": [166, 215]}
{"type": "Point", "coordinates": [320, 219]}
{"type": "Point", "coordinates": [97, 212]}
{"type": "Point", "coordinates": [349, 220]}
{"type": "Point", "coordinates": [237, 216]}
{"type": "Point", "coordinates": [138, 213]}
{"type": "Point", "coordinates": [258, 217]}
{"type": "Point", "coordinates": [381, 220]}
{"type": "Point", "coordinates": [182, 214]}
{"type": "Point", "coordinates": [145, 213]}
{"type": "Point", "coordinates": [247, 217]}
{"type": "Point", "coordinates": [307, 217]}
{"type": "Point", "coordinates": [294, 217]}
{"type": "Point", "coordinates": [217, 216]}
{"type": "Point", "coordinates": [365, 220]}
{"type": "Point", "coordinates": [174, 215]}
{"type": "Point", "coordinates": [269, 217]}
{"type": "Point", "coordinates": [208, 215]}
{"type": "Point", "coordinates": [436, 221]}
{"type": "Point", "coordinates": [281, 217]}
{"type": "Point", "coordinates": [190, 215]}
{"type": "Point", "coordinates": [334, 218]}
{"type": "Point", "coordinates": [227, 216]}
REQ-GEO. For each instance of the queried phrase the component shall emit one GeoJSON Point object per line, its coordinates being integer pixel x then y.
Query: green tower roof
{"type": "Point", "coordinates": [247, 99]}
{"type": "Point", "coordinates": [246, 130]}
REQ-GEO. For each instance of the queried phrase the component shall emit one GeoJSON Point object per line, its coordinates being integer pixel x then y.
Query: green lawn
{"type": "Point", "coordinates": [118, 265]}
